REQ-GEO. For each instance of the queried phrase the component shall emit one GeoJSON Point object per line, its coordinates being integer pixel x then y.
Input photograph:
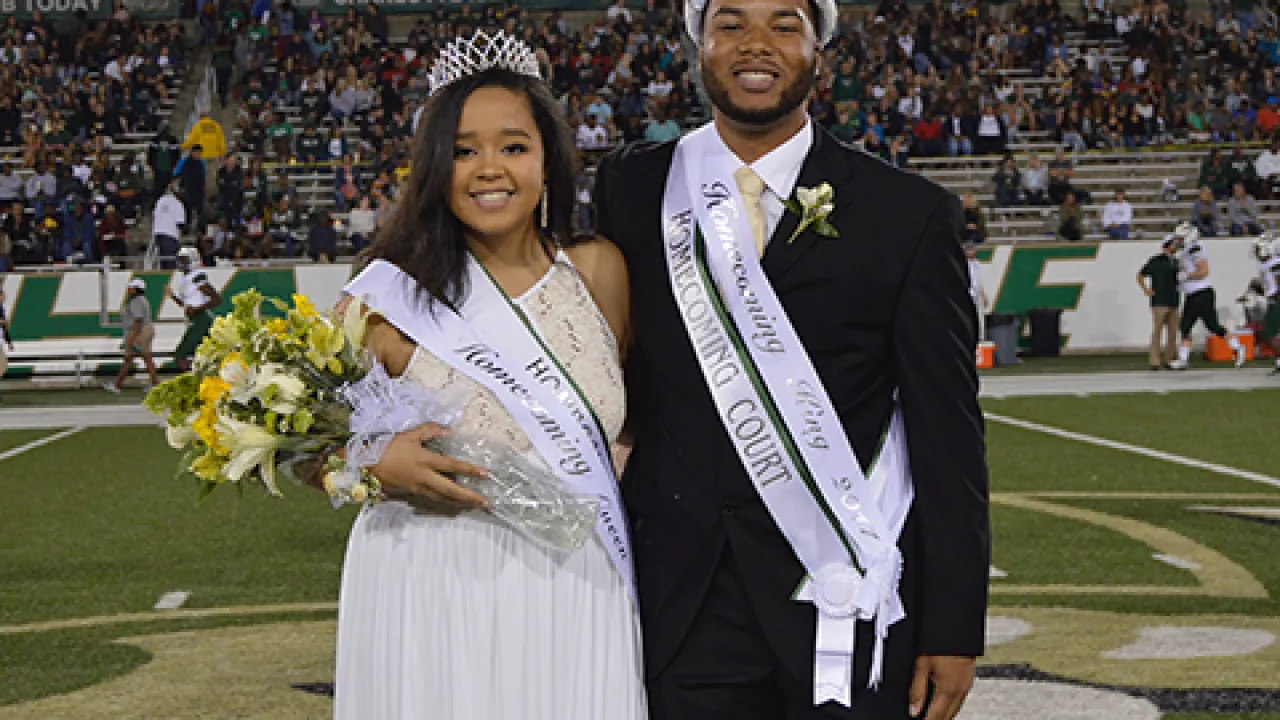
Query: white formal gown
{"type": "Point", "coordinates": [462, 618]}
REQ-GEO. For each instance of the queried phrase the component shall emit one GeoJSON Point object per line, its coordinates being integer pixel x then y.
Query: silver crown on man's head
{"type": "Point", "coordinates": [481, 52]}
{"type": "Point", "coordinates": [824, 25]}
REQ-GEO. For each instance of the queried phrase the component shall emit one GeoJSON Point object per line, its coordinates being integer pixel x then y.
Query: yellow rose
{"type": "Point", "coordinates": [328, 483]}
{"type": "Point", "coordinates": [359, 492]}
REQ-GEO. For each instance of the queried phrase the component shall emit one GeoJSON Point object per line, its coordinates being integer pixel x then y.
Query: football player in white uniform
{"type": "Point", "coordinates": [1266, 250]}
{"type": "Point", "coordinates": [1200, 303]}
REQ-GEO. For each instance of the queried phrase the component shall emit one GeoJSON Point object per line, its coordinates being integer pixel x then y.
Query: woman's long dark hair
{"type": "Point", "coordinates": [423, 237]}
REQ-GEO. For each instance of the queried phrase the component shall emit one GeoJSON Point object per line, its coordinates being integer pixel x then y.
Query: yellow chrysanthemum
{"type": "Point", "coordinates": [305, 307]}
{"type": "Point", "coordinates": [212, 389]}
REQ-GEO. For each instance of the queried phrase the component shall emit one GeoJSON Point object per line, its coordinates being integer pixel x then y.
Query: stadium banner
{"type": "Point", "coordinates": [93, 9]}
{"type": "Point", "coordinates": [56, 316]}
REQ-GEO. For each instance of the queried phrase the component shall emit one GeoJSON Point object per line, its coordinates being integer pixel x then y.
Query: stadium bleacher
{"type": "Point", "coordinates": [1136, 94]}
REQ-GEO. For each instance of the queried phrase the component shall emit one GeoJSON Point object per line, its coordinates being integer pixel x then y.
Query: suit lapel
{"type": "Point", "coordinates": [820, 166]}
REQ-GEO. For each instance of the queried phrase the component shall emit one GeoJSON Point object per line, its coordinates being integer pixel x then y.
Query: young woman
{"type": "Point", "coordinates": [447, 612]}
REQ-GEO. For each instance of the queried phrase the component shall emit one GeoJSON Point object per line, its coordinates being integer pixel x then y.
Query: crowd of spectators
{"type": "Point", "coordinates": [334, 100]}
{"type": "Point", "coordinates": [69, 91]}
{"type": "Point", "coordinates": [313, 100]}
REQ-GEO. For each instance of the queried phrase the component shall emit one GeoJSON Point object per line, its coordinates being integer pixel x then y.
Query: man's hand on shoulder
{"type": "Point", "coordinates": [952, 678]}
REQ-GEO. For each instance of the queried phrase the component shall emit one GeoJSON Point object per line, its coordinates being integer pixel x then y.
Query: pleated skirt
{"type": "Point", "coordinates": [462, 618]}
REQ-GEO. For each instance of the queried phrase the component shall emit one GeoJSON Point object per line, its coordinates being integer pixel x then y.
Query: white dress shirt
{"type": "Point", "coordinates": [780, 170]}
{"type": "Point", "coordinates": [1117, 213]}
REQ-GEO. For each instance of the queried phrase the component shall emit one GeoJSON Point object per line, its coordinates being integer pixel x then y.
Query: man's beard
{"type": "Point", "coordinates": [793, 96]}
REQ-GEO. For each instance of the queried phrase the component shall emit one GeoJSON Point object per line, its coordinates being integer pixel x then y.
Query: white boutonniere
{"type": "Point", "coordinates": [813, 205]}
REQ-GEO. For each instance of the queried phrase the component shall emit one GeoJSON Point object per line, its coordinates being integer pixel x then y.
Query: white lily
{"type": "Point", "coordinates": [180, 436]}
{"type": "Point", "coordinates": [288, 389]}
{"type": "Point", "coordinates": [249, 446]}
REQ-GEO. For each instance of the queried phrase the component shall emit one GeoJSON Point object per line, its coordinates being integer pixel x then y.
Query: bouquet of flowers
{"type": "Point", "coordinates": [267, 397]}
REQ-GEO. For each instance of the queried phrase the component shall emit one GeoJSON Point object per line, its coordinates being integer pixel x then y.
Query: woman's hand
{"type": "Point", "coordinates": [408, 468]}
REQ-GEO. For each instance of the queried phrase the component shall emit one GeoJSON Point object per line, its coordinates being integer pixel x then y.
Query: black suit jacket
{"type": "Point", "coordinates": [885, 305]}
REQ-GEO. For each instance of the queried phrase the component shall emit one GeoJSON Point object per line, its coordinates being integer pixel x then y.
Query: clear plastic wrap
{"type": "Point", "coordinates": [526, 495]}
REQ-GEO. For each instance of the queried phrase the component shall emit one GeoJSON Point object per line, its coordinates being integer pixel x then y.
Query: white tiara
{"type": "Point", "coordinates": [481, 52]}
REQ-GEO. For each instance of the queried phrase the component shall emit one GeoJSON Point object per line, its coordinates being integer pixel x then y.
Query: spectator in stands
{"type": "Point", "coordinates": [347, 183]}
{"type": "Point", "coordinates": [961, 129]}
{"type": "Point", "coordinates": [1242, 171]}
{"type": "Point", "coordinates": [591, 137]}
{"type": "Point", "coordinates": [42, 188]}
{"type": "Point", "coordinates": [1267, 168]}
{"type": "Point", "coordinates": [79, 235]}
{"type": "Point", "coordinates": [311, 148]}
{"type": "Point", "coordinates": [18, 234]}
{"type": "Point", "coordinates": [11, 186]}
{"type": "Point", "coordinates": [663, 128]}
{"type": "Point", "coordinates": [1008, 183]}
{"type": "Point", "coordinates": [163, 155]}
{"type": "Point", "coordinates": [929, 140]}
{"type": "Point", "coordinates": [1060, 171]}
{"type": "Point", "coordinates": [231, 184]}
{"type": "Point", "coordinates": [112, 234]}
{"type": "Point", "coordinates": [208, 135]}
{"type": "Point", "coordinates": [1216, 175]}
{"type": "Point", "coordinates": [1070, 218]}
{"type": "Point", "coordinates": [280, 133]}
{"type": "Point", "coordinates": [284, 223]}
{"type": "Point", "coordinates": [975, 225]}
{"type": "Point", "coordinates": [1242, 212]}
{"type": "Point", "coordinates": [322, 239]}
{"type": "Point", "coordinates": [167, 219]}
{"type": "Point", "coordinates": [1035, 182]}
{"type": "Point", "coordinates": [1117, 216]}
{"type": "Point", "coordinates": [191, 172]}
{"type": "Point", "coordinates": [1204, 213]}
{"type": "Point", "coordinates": [362, 223]}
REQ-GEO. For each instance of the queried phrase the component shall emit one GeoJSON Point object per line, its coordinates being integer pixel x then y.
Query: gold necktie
{"type": "Point", "coordinates": [752, 187]}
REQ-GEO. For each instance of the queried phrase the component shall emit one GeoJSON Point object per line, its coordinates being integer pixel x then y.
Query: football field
{"type": "Point", "coordinates": [1136, 569]}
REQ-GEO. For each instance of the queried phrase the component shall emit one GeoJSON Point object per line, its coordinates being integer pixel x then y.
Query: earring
{"type": "Point", "coordinates": [544, 207]}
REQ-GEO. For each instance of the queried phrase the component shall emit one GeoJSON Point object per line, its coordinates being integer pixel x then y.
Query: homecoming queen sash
{"type": "Point", "coordinates": [843, 525]}
{"type": "Point", "coordinates": [490, 341]}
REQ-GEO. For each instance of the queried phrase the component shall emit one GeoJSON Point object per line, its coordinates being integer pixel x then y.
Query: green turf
{"type": "Point", "coordinates": [10, 439]}
{"type": "Point", "coordinates": [1230, 428]}
{"type": "Point", "coordinates": [30, 397]}
{"type": "Point", "coordinates": [124, 531]}
{"type": "Point", "coordinates": [1028, 545]}
{"type": "Point", "coordinates": [96, 524]}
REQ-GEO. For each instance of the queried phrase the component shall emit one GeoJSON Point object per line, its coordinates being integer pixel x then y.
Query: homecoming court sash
{"type": "Point", "coordinates": [842, 524]}
{"type": "Point", "coordinates": [491, 341]}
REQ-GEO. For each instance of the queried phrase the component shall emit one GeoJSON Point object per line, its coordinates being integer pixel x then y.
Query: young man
{"type": "Point", "coordinates": [1267, 252]}
{"type": "Point", "coordinates": [1200, 303]}
{"type": "Point", "coordinates": [139, 333]}
{"type": "Point", "coordinates": [869, 312]}
{"type": "Point", "coordinates": [198, 298]}
{"type": "Point", "coordinates": [166, 227]}
{"type": "Point", "coordinates": [1162, 270]}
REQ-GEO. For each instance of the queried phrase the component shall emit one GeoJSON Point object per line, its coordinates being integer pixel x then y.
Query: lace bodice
{"type": "Point", "coordinates": [566, 317]}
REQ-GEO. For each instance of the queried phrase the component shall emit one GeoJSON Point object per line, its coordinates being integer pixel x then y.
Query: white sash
{"type": "Point", "coordinates": [843, 526]}
{"type": "Point", "coordinates": [490, 342]}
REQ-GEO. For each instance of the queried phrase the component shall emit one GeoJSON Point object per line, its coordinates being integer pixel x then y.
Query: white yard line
{"type": "Point", "coordinates": [1135, 449]}
{"type": "Point", "coordinates": [14, 452]}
